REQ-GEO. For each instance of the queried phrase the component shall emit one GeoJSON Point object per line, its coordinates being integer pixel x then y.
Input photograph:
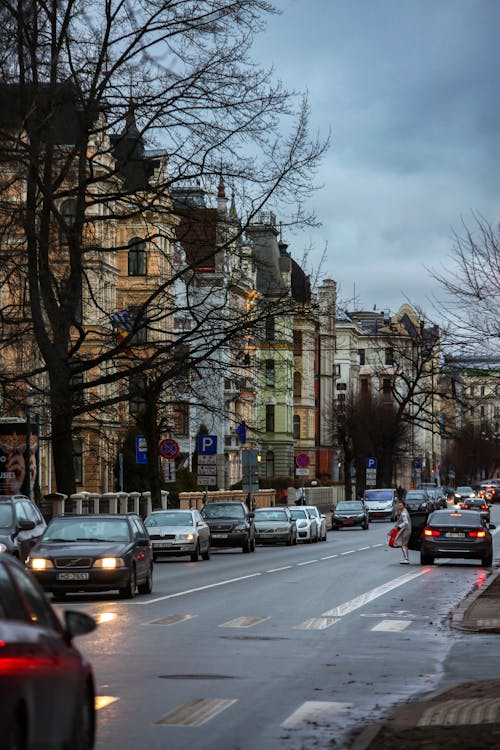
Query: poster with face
{"type": "Point", "coordinates": [18, 467]}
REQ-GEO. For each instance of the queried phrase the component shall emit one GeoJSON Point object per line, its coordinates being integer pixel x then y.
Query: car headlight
{"type": "Point", "coordinates": [239, 527]}
{"type": "Point", "coordinates": [187, 537]}
{"type": "Point", "coordinates": [109, 563]}
{"type": "Point", "coordinates": [39, 563]}
{"type": "Point", "coordinates": [302, 524]}
{"type": "Point", "coordinates": [3, 547]}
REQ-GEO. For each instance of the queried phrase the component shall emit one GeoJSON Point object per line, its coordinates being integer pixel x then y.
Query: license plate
{"type": "Point", "coordinates": [73, 576]}
{"type": "Point", "coordinates": [455, 535]}
{"type": "Point", "coordinates": [347, 521]}
{"type": "Point", "coordinates": [161, 545]}
{"type": "Point", "coordinates": [220, 536]}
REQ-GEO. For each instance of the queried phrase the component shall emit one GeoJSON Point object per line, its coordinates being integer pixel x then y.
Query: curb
{"type": "Point", "coordinates": [459, 615]}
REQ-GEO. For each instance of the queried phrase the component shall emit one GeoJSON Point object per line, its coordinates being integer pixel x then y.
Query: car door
{"type": "Point", "coordinates": [142, 552]}
{"type": "Point", "coordinates": [203, 530]}
{"type": "Point", "coordinates": [23, 536]}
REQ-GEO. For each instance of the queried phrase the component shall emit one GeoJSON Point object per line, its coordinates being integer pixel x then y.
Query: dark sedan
{"type": "Point", "coordinates": [46, 686]}
{"type": "Point", "coordinates": [418, 500]}
{"type": "Point", "coordinates": [456, 534]}
{"type": "Point", "coordinates": [350, 513]}
{"type": "Point", "coordinates": [94, 553]}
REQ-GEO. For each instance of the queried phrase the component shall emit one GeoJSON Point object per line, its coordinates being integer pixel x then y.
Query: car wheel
{"type": "Point", "coordinates": [206, 555]}
{"type": "Point", "coordinates": [195, 556]}
{"type": "Point", "coordinates": [252, 545]}
{"type": "Point", "coordinates": [147, 586]}
{"type": "Point", "coordinates": [246, 545]}
{"type": "Point", "coordinates": [426, 559]}
{"type": "Point", "coordinates": [84, 724]}
{"type": "Point", "coordinates": [128, 591]}
{"type": "Point", "coordinates": [486, 562]}
{"type": "Point", "coordinates": [289, 541]}
{"type": "Point", "coordinates": [16, 733]}
{"type": "Point", "coordinates": [295, 539]}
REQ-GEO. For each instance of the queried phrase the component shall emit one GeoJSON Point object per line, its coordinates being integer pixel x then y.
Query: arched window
{"type": "Point", "coordinates": [136, 257]}
{"type": "Point", "coordinates": [269, 464]}
{"type": "Point", "coordinates": [296, 427]}
{"type": "Point", "coordinates": [68, 216]}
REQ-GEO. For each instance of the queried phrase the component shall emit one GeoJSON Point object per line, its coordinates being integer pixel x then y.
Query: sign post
{"type": "Point", "coordinates": [302, 460]}
{"type": "Point", "coordinates": [207, 461]}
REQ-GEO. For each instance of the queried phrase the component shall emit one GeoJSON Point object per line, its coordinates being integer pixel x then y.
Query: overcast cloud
{"type": "Point", "coordinates": [410, 90]}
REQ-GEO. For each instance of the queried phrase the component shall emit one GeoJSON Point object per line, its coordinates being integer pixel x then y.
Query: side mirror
{"type": "Point", "coordinates": [78, 623]}
{"type": "Point", "coordinates": [25, 525]}
{"type": "Point", "coordinates": [492, 526]}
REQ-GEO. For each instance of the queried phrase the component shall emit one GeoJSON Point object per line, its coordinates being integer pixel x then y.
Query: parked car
{"type": "Point", "coordinates": [418, 500]}
{"type": "Point", "coordinates": [231, 525]}
{"type": "Point", "coordinates": [456, 534]}
{"type": "Point", "coordinates": [94, 553]}
{"type": "Point", "coordinates": [47, 688]}
{"type": "Point", "coordinates": [320, 520]}
{"type": "Point", "coordinates": [381, 503]}
{"type": "Point", "coordinates": [21, 525]}
{"type": "Point", "coordinates": [350, 513]}
{"type": "Point", "coordinates": [464, 493]}
{"type": "Point", "coordinates": [490, 490]}
{"type": "Point", "coordinates": [307, 525]}
{"type": "Point", "coordinates": [479, 504]}
{"type": "Point", "coordinates": [275, 526]}
{"type": "Point", "coordinates": [178, 532]}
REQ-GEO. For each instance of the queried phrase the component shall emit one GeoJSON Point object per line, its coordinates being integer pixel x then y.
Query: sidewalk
{"type": "Point", "coordinates": [466, 717]}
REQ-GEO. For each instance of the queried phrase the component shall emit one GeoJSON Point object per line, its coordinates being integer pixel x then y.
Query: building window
{"type": "Point", "coordinates": [389, 356]}
{"type": "Point", "coordinates": [362, 359]}
{"type": "Point", "coordinates": [482, 411]}
{"type": "Point", "coordinates": [341, 397]}
{"type": "Point", "coordinates": [68, 217]}
{"type": "Point", "coordinates": [269, 417]}
{"type": "Point", "coordinates": [78, 460]}
{"type": "Point", "coordinates": [180, 418]}
{"type": "Point", "coordinates": [270, 373]}
{"type": "Point", "coordinates": [297, 385]}
{"type": "Point", "coordinates": [141, 335]}
{"type": "Point", "coordinates": [137, 394]}
{"type": "Point", "coordinates": [336, 371]}
{"type": "Point", "coordinates": [296, 427]}
{"type": "Point", "coordinates": [270, 328]}
{"type": "Point", "coordinates": [482, 390]}
{"type": "Point", "coordinates": [269, 464]}
{"type": "Point", "coordinates": [471, 390]}
{"type": "Point", "coordinates": [364, 384]}
{"type": "Point", "coordinates": [297, 343]}
{"type": "Point", "coordinates": [76, 385]}
{"type": "Point", "coordinates": [136, 257]}
{"type": "Point", "coordinates": [387, 390]}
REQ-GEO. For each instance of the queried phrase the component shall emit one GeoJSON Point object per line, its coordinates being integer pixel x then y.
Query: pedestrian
{"type": "Point", "coordinates": [403, 535]}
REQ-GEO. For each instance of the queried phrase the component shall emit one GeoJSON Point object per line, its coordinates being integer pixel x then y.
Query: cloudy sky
{"type": "Point", "coordinates": [410, 91]}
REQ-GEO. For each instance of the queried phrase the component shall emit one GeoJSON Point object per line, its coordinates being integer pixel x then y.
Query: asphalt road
{"type": "Point", "coordinates": [286, 648]}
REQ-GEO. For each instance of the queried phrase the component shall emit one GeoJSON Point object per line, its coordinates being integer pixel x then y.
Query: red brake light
{"type": "Point", "coordinates": [484, 507]}
{"type": "Point", "coordinates": [479, 534]}
{"type": "Point", "coordinates": [431, 532]}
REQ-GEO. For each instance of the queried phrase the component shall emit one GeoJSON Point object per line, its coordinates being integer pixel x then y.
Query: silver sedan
{"type": "Point", "coordinates": [307, 526]}
{"type": "Point", "coordinates": [178, 532]}
{"type": "Point", "coordinates": [274, 526]}
{"type": "Point", "coordinates": [320, 520]}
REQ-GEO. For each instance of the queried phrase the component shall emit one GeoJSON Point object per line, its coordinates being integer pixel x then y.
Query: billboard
{"type": "Point", "coordinates": [15, 477]}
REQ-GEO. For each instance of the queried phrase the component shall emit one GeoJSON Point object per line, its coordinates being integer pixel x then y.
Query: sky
{"type": "Point", "coordinates": [410, 91]}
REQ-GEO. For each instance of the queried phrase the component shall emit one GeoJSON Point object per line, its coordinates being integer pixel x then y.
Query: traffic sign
{"type": "Point", "coordinates": [141, 450]}
{"type": "Point", "coordinates": [207, 445]}
{"type": "Point", "coordinates": [371, 463]}
{"type": "Point", "coordinates": [302, 472]}
{"type": "Point", "coordinates": [302, 460]}
{"type": "Point", "coordinates": [168, 448]}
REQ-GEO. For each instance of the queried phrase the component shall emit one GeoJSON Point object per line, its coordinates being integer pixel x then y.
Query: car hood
{"type": "Point", "coordinates": [164, 530]}
{"type": "Point", "coordinates": [79, 549]}
{"type": "Point", "coordinates": [271, 522]}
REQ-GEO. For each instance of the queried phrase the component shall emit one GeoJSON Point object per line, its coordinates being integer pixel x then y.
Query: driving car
{"type": "Point", "coordinates": [464, 493]}
{"type": "Point", "coordinates": [94, 553]}
{"type": "Point", "coordinates": [350, 513]}
{"type": "Point", "coordinates": [479, 504]}
{"type": "Point", "coordinates": [320, 520]}
{"type": "Point", "coordinates": [490, 490]}
{"type": "Point", "coordinates": [231, 524]}
{"type": "Point", "coordinates": [418, 500]}
{"type": "Point", "coordinates": [307, 525]}
{"type": "Point", "coordinates": [178, 532]}
{"type": "Point", "coordinates": [381, 503]}
{"type": "Point", "coordinates": [275, 526]}
{"type": "Point", "coordinates": [456, 534]}
{"type": "Point", "coordinates": [21, 525]}
{"type": "Point", "coordinates": [47, 690]}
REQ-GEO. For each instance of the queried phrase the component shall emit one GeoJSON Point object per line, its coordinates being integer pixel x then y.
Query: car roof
{"type": "Point", "coordinates": [10, 498]}
{"type": "Point", "coordinates": [93, 516]}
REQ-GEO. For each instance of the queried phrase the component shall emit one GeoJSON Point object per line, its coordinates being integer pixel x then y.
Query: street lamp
{"type": "Point", "coordinates": [27, 453]}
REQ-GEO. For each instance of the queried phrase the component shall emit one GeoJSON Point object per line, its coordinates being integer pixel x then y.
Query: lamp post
{"type": "Point", "coordinates": [27, 453]}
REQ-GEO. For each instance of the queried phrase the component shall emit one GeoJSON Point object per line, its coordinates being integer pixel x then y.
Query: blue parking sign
{"type": "Point", "coordinates": [207, 445]}
{"type": "Point", "coordinates": [141, 450]}
{"type": "Point", "coordinates": [371, 463]}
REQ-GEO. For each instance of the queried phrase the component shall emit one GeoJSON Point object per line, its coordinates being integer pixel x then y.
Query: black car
{"type": "Point", "coordinates": [231, 525]}
{"type": "Point", "coordinates": [94, 553]}
{"type": "Point", "coordinates": [418, 500]}
{"type": "Point", "coordinates": [456, 534]}
{"type": "Point", "coordinates": [350, 513]}
{"type": "Point", "coordinates": [21, 525]}
{"type": "Point", "coordinates": [46, 687]}
{"type": "Point", "coordinates": [479, 504]}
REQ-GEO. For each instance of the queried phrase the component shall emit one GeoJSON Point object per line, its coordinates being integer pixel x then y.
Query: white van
{"type": "Point", "coordinates": [381, 504]}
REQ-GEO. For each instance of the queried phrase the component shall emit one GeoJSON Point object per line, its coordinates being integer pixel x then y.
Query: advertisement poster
{"type": "Point", "coordinates": [18, 470]}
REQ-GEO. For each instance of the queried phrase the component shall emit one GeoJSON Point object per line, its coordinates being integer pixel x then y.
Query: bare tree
{"type": "Point", "coordinates": [85, 88]}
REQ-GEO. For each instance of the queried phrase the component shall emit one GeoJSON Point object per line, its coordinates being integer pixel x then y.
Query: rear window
{"type": "Point", "coordinates": [378, 495]}
{"type": "Point", "coordinates": [5, 515]}
{"type": "Point", "coordinates": [467, 518]}
{"type": "Point", "coordinates": [169, 519]}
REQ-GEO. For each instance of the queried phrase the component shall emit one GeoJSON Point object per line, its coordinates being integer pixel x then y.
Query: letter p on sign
{"type": "Point", "coordinates": [207, 445]}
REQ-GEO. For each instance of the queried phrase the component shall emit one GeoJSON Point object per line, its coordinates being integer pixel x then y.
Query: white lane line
{"type": "Point", "coordinates": [349, 552]}
{"type": "Point", "coordinates": [244, 621]}
{"type": "Point", "coordinates": [307, 562]}
{"type": "Point", "coordinates": [200, 588]}
{"type": "Point", "coordinates": [101, 701]}
{"type": "Point", "coordinates": [277, 570]}
{"type": "Point", "coordinates": [317, 623]}
{"type": "Point", "coordinates": [369, 596]}
{"type": "Point", "coordinates": [315, 713]}
{"type": "Point", "coordinates": [360, 549]}
{"type": "Point", "coordinates": [391, 626]}
{"type": "Point", "coordinates": [196, 712]}
{"type": "Point", "coordinates": [328, 557]}
{"type": "Point", "coordinates": [377, 545]}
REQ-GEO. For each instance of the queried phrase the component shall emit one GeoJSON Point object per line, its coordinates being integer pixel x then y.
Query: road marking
{"type": "Point", "coordinates": [328, 557]}
{"type": "Point", "coordinates": [171, 619]}
{"type": "Point", "coordinates": [277, 570]}
{"type": "Point", "coordinates": [369, 596]}
{"type": "Point", "coordinates": [462, 712]}
{"type": "Point", "coordinates": [308, 562]}
{"type": "Point", "coordinates": [315, 713]}
{"type": "Point", "coordinates": [377, 545]}
{"type": "Point", "coordinates": [199, 588]}
{"type": "Point", "coordinates": [391, 626]}
{"type": "Point", "coordinates": [243, 622]}
{"type": "Point", "coordinates": [317, 623]}
{"type": "Point", "coordinates": [101, 701]}
{"type": "Point", "coordinates": [349, 552]}
{"type": "Point", "coordinates": [196, 712]}
{"type": "Point", "coordinates": [360, 549]}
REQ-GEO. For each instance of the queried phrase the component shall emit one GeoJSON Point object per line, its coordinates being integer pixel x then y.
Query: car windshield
{"type": "Point", "coordinates": [175, 518]}
{"type": "Point", "coordinates": [445, 518]}
{"type": "Point", "coordinates": [313, 511]}
{"type": "Point", "coordinates": [5, 516]}
{"type": "Point", "coordinates": [298, 513]}
{"type": "Point", "coordinates": [263, 514]}
{"type": "Point", "coordinates": [376, 495]}
{"type": "Point", "coordinates": [420, 496]}
{"type": "Point", "coordinates": [223, 511]}
{"type": "Point", "coordinates": [87, 530]}
{"type": "Point", "coordinates": [465, 490]}
{"type": "Point", "coordinates": [350, 506]}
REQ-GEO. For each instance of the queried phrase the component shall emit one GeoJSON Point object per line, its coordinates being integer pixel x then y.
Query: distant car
{"type": "Point", "coordinates": [94, 553]}
{"type": "Point", "coordinates": [490, 490]}
{"type": "Point", "coordinates": [307, 525]}
{"type": "Point", "coordinates": [479, 504]}
{"type": "Point", "coordinates": [381, 503]}
{"type": "Point", "coordinates": [350, 513]}
{"type": "Point", "coordinates": [456, 534]}
{"type": "Point", "coordinates": [47, 691]}
{"type": "Point", "coordinates": [275, 526]}
{"type": "Point", "coordinates": [21, 525]}
{"type": "Point", "coordinates": [231, 525]}
{"type": "Point", "coordinates": [178, 532]}
{"type": "Point", "coordinates": [464, 493]}
{"type": "Point", "coordinates": [320, 520]}
{"type": "Point", "coordinates": [418, 500]}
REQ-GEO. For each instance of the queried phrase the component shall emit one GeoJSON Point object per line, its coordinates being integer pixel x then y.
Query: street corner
{"type": "Point", "coordinates": [479, 611]}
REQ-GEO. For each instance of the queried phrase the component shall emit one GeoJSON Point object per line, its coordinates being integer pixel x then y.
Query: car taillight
{"type": "Point", "coordinates": [478, 534]}
{"type": "Point", "coordinates": [431, 532]}
{"type": "Point", "coordinates": [484, 507]}
{"type": "Point", "coordinates": [465, 506]}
